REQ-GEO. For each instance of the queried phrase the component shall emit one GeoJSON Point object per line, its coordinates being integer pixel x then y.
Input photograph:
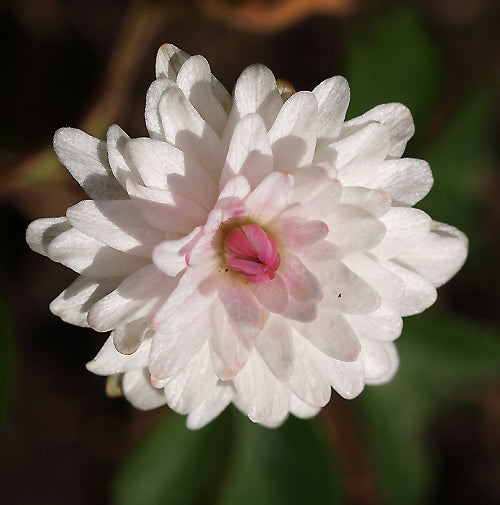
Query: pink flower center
{"type": "Point", "coordinates": [252, 253]}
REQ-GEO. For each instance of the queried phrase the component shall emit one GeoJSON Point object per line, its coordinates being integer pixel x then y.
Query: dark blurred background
{"type": "Point", "coordinates": [88, 65]}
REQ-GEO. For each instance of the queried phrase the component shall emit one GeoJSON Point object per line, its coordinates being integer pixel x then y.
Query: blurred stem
{"type": "Point", "coordinates": [26, 181]}
{"type": "Point", "coordinates": [341, 427]}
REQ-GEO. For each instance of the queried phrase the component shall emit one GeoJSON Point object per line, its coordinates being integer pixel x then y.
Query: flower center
{"type": "Point", "coordinates": [251, 253]}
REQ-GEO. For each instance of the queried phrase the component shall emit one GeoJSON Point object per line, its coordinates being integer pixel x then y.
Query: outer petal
{"type": "Point", "coordinates": [42, 232]}
{"type": "Point", "coordinates": [139, 392]}
{"type": "Point", "coordinates": [86, 159]}
{"type": "Point", "coordinates": [380, 361]}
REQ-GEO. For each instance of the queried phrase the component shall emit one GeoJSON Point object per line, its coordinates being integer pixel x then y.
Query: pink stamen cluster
{"type": "Point", "coordinates": [252, 253]}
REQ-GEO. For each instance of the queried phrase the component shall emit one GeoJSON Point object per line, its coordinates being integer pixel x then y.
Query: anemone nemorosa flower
{"type": "Point", "coordinates": [254, 249]}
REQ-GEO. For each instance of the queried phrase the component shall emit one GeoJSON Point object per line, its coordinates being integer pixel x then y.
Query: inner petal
{"type": "Point", "coordinates": [251, 253]}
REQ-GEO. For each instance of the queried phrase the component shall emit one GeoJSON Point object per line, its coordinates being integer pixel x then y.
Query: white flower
{"type": "Point", "coordinates": [251, 250]}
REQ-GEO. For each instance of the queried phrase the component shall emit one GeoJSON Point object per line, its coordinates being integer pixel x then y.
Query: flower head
{"type": "Point", "coordinates": [254, 249]}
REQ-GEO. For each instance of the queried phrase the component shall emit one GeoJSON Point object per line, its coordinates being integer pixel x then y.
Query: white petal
{"type": "Point", "coordinates": [301, 284]}
{"type": "Point", "coordinates": [249, 151]}
{"type": "Point", "coordinates": [406, 228]}
{"type": "Point", "coordinates": [398, 121]}
{"type": "Point", "coordinates": [171, 351]}
{"type": "Point", "coordinates": [42, 232]}
{"type": "Point", "coordinates": [281, 407]}
{"type": "Point", "coordinates": [295, 233]}
{"type": "Point", "coordinates": [353, 229]}
{"type": "Point", "coordinates": [293, 134]}
{"type": "Point", "coordinates": [212, 405]}
{"type": "Point", "coordinates": [109, 361]}
{"type": "Point", "coordinates": [333, 98]}
{"type": "Point", "coordinates": [139, 392]}
{"type": "Point", "coordinates": [255, 386]}
{"type": "Point", "coordinates": [169, 61]}
{"type": "Point", "coordinates": [195, 80]}
{"type": "Point", "coordinates": [73, 304]}
{"type": "Point", "coordinates": [380, 361]}
{"type": "Point", "coordinates": [151, 113]}
{"type": "Point", "coordinates": [185, 128]}
{"type": "Point", "coordinates": [86, 159]}
{"type": "Point", "coordinates": [346, 378]}
{"type": "Point", "coordinates": [134, 298]}
{"type": "Point", "coordinates": [129, 337]}
{"type": "Point", "coordinates": [331, 334]}
{"type": "Point", "coordinates": [91, 258]}
{"type": "Point", "coordinates": [166, 210]}
{"type": "Point", "coordinates": [300, 409]}
{"type": "Point", "coordinates": [230, 347]}
{"type": "Point", "coordinates": [407, 180]}
{"type": "Point", "coordinates": [439, 255]}
{"type": "Point", "coordinates": [170, 256]}
{"type": "Point", "coordinates": [255, 91]}
{"type": "Point", "coordinates": [115, 223]}
{"type": "Point", "coordinates": [374, 201]}
{"type": "Point", "coordinates": [163, 166]}
{"type": "Point", "coordinates": [119, 161]}
{"type": "Point", "coordinates": [240, 305]}
{"type": "Point", "coordinates": [190, 299]}
{"type": "Point", "coordinates": [383, 324]}
{"type": "Point", "coordinates": [419, 293]}
{"type": "Point", "coordinates": [274, 344]}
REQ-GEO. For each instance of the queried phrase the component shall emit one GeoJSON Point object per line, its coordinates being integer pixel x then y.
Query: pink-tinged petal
{"type": "Point", "coordinates": [383, 324]}
{"type": "Point", "coordinates": [270, 197]}
{"type": "Point", "coordinates": [320, 252]}
{"type": "Point", "coordinates": [128, 337]}
{"type": "Point", "coordinates": [164, 166]}
{"type": "Point", "coordinates": [281, 407]}
{"type": "Point", "coordinates": [396, 118]}
{"type": "Point", "coordinates": [374, 201]}
{"type": "Point", "coordinates": [138, 391]}
{"type": "Point", "coordinates": [73, 304]}
{"type": "Point", "coordinates": [333, 98]}
{"type": "Point", "coordinates": [137, 296]}
{"type": "Point", "coordinates": [195, 80]}
{"type": "Point", "coordinates": [274, 344]}
{"type": "Point", "coordinates": [298, 233]}
{"type": "Point", "coordinates": [300, 311]}
{"type": "Point", "coordinates": [171, 351]}
{"type": "Point", "coordinates": [191, 298]}
{"type": "Point", "coordinates": [272, 294]}
{"type": "Point", "coordinates": [380, 361]}
{"type": "Point", "coordinates": [187, 130]}
{"type": "Point", "coordinates": [332, 334]}
{"type": "Point", "coordinates": [439, 255]}
{"type": "Point", "coordinates": [250, 152]}
{"type": "Point", "coordinates": [110, 362]}
{"type": "Point", "coordinates": [255, 386]}
{"type": "Point", "coordinates": [353, 229]}
{"type": "Point", "coordinates": [262, 243]}
{"type": "Point", "coordinates": [233, 192]}
{"type": "Point", "coordinates": [86, 159]}
{"type": "Point", "coordinates": [230, 347]}
{"type": "Point", "coordinates": [115, 223]}
{"type": "Point", "coordinates": [240, 304]}
{"type": "Point", "coordinates": [301, 284]}
{"type": "Point", "coordinates": [293, 134]}
{"type": "Point", "coordinates": [170, 256]}
{"type": "Point", "coordinates": [167, 211]}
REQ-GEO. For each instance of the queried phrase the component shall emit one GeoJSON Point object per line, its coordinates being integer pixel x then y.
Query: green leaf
{"type": "Point", "coordinates": [393, 59]}
{"type": "Point", "coordinates": [173, 465]}
{"type": "Point", "coordinates": [6, 361]}
{"type": "Point", "coordinates": [441, 358]}
{"type": "Point", "coordinates": [290, 465]}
